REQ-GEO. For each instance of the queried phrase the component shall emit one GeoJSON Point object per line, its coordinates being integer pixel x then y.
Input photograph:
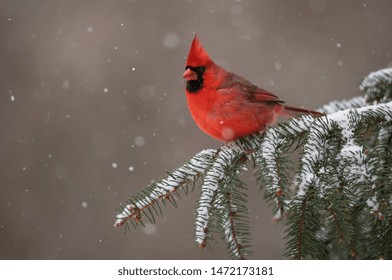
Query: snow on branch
{"type": "Point", "coordinates": [232, 213]}
{"type": "Point", "coordinates": [213, 179]}
{"type": "Point", "coordinates": [378, 85]}
{"type": "Point", "coordinates": [228, 156]}
{"type": "Point", "coordinates": [161, 190]}
{"type": "Point", "coordinates": [338, 105]}
{"type": "Point", "coordinates": [339, 177]}
{"type": "Point", "coordinates": [351, 154]}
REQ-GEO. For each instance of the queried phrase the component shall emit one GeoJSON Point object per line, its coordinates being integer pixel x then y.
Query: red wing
{"type": "Point", "coordinates": [251, 91]}
{"type": "Point", "coordinates": [262, 95]}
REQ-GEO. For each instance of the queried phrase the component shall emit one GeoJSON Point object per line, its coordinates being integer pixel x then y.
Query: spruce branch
{"type": "Point", "coordinates": [233, 214]}
{"type": "Point", "coordinates": [272, 173]}
{"type": "Point", "coordinates": [378, 86]}
{"type": "Point", "coordinates": [347, 185]}
{"type": "Point", "coordinates": [212, 181]}
{"type": "Point", "coordinates": [337, 197]}
{"type": "Point", "coordinates": [218, 177]}
{"type": "Point", "coordinates": [339, 105]}
{"type": "Point", "coordinates": [157, 192]}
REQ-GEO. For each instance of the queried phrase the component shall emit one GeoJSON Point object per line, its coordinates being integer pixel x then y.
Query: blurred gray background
{"type": "Point", "coordinates": [93, 108]}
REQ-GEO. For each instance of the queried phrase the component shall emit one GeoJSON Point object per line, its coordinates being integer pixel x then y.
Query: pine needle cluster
{"type": "Point", "coordinates": [335, 199]}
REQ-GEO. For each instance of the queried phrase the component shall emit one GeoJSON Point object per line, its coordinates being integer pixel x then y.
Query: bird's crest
{"type": "Point", "coordinates": [197, 55]}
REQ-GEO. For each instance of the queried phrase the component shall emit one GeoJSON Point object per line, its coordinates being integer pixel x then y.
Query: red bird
{"type": "Point", "coordinates": [225, 105]}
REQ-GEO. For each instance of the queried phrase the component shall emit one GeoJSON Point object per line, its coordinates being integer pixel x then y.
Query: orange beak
{"type": "Point", "coordinates": [189, 75]}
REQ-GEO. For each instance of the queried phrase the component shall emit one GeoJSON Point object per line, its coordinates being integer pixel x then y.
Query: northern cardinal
{"type": "Point", "coordinates": [225, 105]}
